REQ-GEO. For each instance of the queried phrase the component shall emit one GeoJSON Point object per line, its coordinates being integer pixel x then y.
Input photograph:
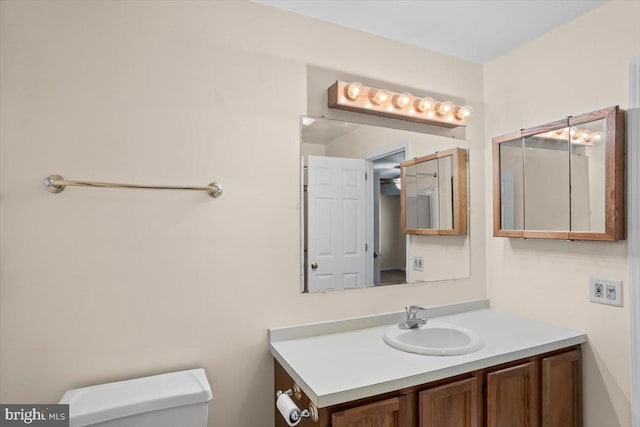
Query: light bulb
{"type": "Point", "coordinates": [572, 132]}
{"type": "Point", "coordinates": [378, 96]}
{"type": "Point", "coordinates": [597, 136]}
{"type": "Point", "coordinates": [353, 90]}
{"type": "Point", "coordinates": [463, 112]}
{"type": "Point", "coordinates": [423, 104]}
{"type": "Point", "coordinates": [444, 108]}
{"type": "Point", "coordinates": [586, 135]}
{"type": "Point", "coordinates": [401, 100]}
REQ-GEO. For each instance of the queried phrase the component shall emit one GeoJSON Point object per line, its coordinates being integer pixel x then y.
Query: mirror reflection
{"type": "Point", "coordinates": [411, 196]}
{"type": "Point", "coordinates": [352, 233]}
{"type": "Point", "coordinates": [427, 194]}
{"type": "Point", "coordinates": [512, 185]}
{"type": "Point", "coordinates": [555, 180]}
{"type": "Point", "coordinates": [435, 198]}
{"type": "Point", "coordinates": [446, 203]}
{"type": "Point", "coordinates": [588, 171]}
{"type": "Point", "coordinates": [546, 177]}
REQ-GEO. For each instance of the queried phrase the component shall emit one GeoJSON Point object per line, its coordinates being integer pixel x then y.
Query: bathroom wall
{"type": "Point", "coordinates": [99, 285]}
{"type": "Point", "coordinates": [579, 67]}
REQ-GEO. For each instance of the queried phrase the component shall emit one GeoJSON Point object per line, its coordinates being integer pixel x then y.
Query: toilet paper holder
{"type": "Point", "coordinates": [296, 393]}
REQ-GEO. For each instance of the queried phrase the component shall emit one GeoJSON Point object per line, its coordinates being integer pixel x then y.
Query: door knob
{"type": "Point", "coordinates": [376, 254]}
{"type": "Point", "coordinates": [314, 265]}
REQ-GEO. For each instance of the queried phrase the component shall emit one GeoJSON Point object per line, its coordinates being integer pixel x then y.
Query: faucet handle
{"type": "Point", "coordinates": [413, 321]}
{"type": "Point", "coordinates": [413, 311]}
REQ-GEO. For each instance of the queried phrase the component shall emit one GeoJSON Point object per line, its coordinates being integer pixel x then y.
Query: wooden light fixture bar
{"type": "Point", "coordinates": [404, 106]}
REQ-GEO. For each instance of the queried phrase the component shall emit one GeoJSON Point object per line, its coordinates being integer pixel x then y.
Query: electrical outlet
{"type": "Point", "coordinates": [418, 263]}
{"type": "Point", "coordinates": [605, 291]}
{"type": "Point", "coordinates": [597, 290]}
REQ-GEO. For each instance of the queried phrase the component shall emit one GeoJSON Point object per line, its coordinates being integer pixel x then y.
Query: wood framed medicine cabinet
{"type": "Point", "coordinates": [562, 180]}
{"type": "Point", "coordinates": [433, 193]}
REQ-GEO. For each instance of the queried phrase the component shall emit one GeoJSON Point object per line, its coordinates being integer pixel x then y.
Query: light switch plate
{"type": "Point", "coordinates": [605, 291]}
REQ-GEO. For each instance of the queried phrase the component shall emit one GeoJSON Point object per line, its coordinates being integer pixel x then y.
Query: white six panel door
{"type": "Point", "coordinates": [336, 223]}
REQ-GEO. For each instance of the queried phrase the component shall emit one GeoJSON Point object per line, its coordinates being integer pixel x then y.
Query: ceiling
{"type": "Point", "coordinates": [473, 30]}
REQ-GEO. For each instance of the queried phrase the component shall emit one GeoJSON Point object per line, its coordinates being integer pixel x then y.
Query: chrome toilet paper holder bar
{"type": "Point", "coordinates": [296, 393]}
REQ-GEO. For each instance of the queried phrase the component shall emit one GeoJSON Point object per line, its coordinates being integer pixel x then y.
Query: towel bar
{"type": "Point", "coordinates": [56, 183]}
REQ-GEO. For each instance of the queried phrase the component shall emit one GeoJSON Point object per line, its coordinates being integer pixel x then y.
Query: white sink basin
{"type": "Point", "coordinates": [434, 339]}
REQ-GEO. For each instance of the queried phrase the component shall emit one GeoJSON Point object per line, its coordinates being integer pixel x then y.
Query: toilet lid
{"type": "Point", "coordinates": [104, 402]}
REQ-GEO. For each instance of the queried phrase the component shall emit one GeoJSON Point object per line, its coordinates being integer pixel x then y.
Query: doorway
{"type": "Point", "coordinates": [390, 245]}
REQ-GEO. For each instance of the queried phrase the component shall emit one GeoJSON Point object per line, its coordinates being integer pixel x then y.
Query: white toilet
{"type": "Point", "coordinates": [177, 399]}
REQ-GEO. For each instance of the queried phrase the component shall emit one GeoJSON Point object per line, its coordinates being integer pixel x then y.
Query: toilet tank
{"type": "Point", "coordinates": [176, 399]}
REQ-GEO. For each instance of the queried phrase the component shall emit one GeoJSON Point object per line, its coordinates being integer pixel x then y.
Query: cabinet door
{"type": "Point", "coordinates": [562, 390]}
{"type": "Point", "coordinates": [451, 405]}
{"type": "Point", "coordinates": [512, 396]}
{"type": "Point", "coordinates": [386, 413]}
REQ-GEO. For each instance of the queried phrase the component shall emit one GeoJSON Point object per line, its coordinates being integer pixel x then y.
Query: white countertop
{"type": "Point", "coordinates": [334, 367]}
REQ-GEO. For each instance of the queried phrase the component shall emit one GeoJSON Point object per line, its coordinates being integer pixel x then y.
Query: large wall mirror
{"type": "Point", "coordinates": [562, 180]}
{"type": "Point", "coordinates": [351, 217]}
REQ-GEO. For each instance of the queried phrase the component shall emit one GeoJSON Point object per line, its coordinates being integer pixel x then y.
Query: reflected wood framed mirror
{"type": "Point", "coordinates": [351, 209]}
{"type": "Point", "coordinates": [562, 180]}
{"type": "Point", "coordinates": [434, 193]}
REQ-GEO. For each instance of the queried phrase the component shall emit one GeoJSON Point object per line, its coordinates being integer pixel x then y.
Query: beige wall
{"type": "Point", "coordinates": [100, 285]}
{"type": "Point", "coordinates": [579, 67]}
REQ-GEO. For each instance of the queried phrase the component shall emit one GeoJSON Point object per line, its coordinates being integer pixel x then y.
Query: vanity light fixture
{"type": "Point", "coordinates": [578, 136]}
{"type": "Point", "coordinates": [463, 112]}
{"type": "Point", "coordinates": [444, 108]}
{"type": "Point", "coordinates": [354, 96]}
{"type": "Point", "coordinates": [353, 91]}
{"type": "Point", "coordinates": [401, 100]}
{"type": "Point", "coordinates": [377, 96]}
{"type": "Point", "coordinates": [423, 104]}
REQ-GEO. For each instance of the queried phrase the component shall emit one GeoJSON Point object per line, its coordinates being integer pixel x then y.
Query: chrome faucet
{"type": "Point", "coordinates": [413, 321]}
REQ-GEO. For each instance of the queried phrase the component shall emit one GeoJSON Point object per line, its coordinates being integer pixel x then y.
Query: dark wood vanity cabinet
{"type": "Point", "coordinates": [512, 396]}
{"type": "Point", "coordinates": [454, 404]}
{"type": "Point", "coordinates": [561, 394]}
{"type": "Point", "coordinates": [540, 391]}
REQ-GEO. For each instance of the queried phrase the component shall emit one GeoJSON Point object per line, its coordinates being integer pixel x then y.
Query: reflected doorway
{"type": "Point", "coordinates": [390, 244]}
